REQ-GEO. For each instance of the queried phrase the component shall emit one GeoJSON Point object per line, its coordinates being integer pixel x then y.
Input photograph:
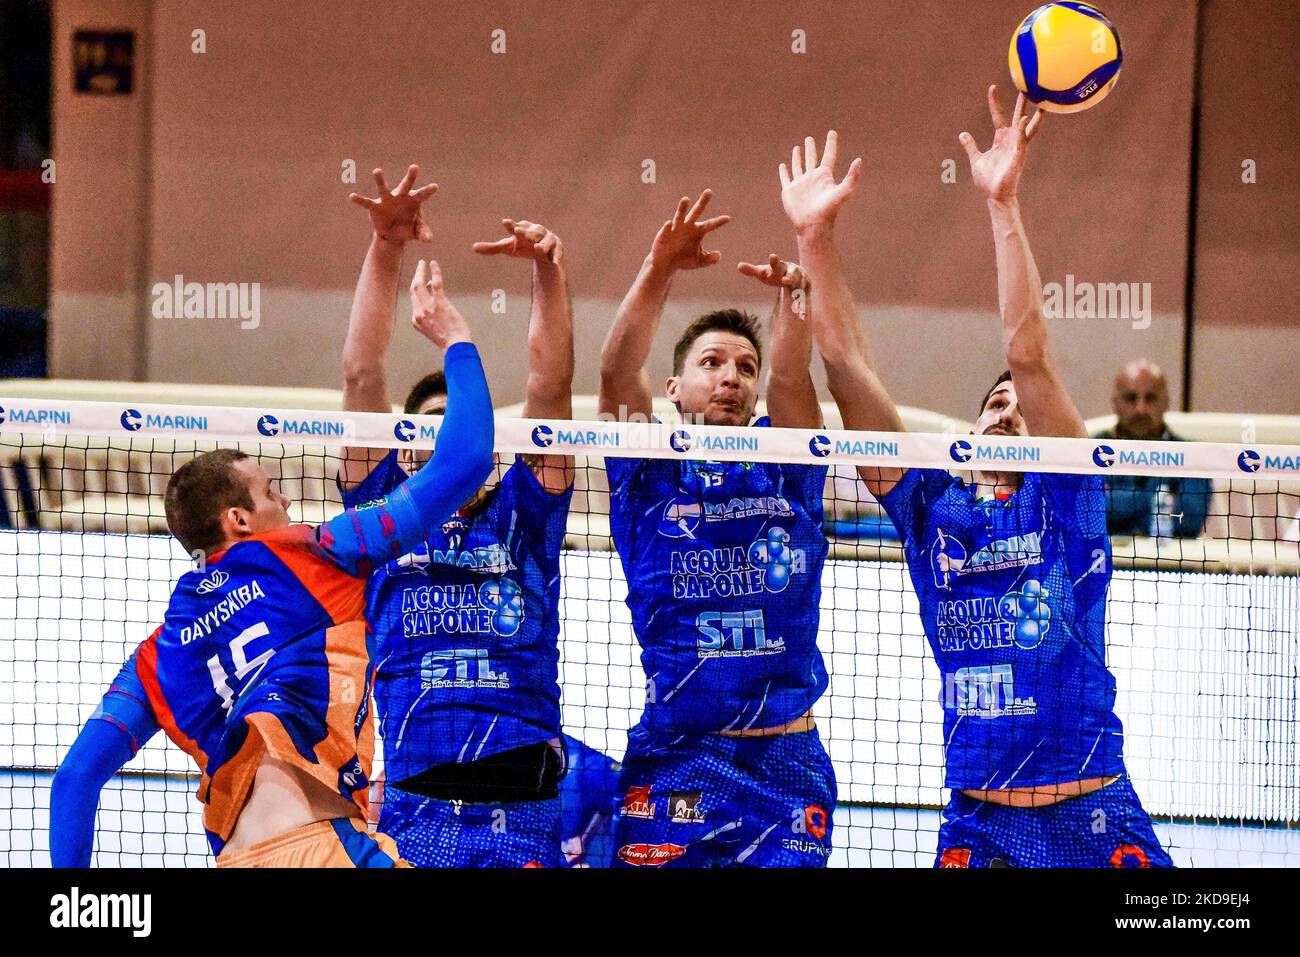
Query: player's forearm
{"type": "Point", "coordinates": [1044, 401]}
{"type": "Point", "coordinates": [842, 343]}
{"type": "Point", "coordinates": [791, 395]}
{"type": "Point", "coordinates": [362, 539]}
{"type": "Point", "coordinates": [370, 328]}
{"type": "Point", "coordinates": [462, 459]}
{"type": "Point", "coordinates": [1020, 289]}
{"type": "Point", "coordinates": [100, 751]}
{"type": "Point", "coordinates": [623, 379]}
{"type": "Point", "coordinates": [835, 325]}
{"type": "Point", "coordinates": [549, 392]}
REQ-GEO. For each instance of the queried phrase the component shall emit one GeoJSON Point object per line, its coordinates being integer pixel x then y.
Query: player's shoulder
{"type": "Point", "coordinates": [288, 546]}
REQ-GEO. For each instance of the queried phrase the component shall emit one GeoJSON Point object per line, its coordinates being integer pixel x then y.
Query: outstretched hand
{"type": "Point", "coordinates": [526, 240]}
{"type": "Point", "coordinates": [395, 214]}
{"type": "Point", "coordinates": [809, 193]}
{"type": "Point", "coordinates": [997, 170]}
{"type": "Point", "coordinates": [679, 244]}
{"type": "Point", "coordinates": [777, 272]}
{"type": "Point", "coordinates": [432, 313]}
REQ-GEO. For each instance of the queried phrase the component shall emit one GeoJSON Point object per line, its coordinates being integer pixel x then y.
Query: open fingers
{"type": "Point", "coordinates": [850, 180]}
{"type": "Point", "coordinates": [424, 192]}
{"type": "Point", "coordinates": [831, 151]}
{"type": "Point", "coordinates": [1034, 123]}
{"type": "Point", "coordinates": [796, 163]}
{"type": "Point", "coordinates": [968, 141]}
{"type": "Point", "coordinates": [698, 208]}
{"type": "Point", "coordinates": [421, 276]}
{"type": "Point", "coordinates": [809, 153]}
{"type": "Point", "coordinates": [381, 183]}
{"type": "Point", "coordinates": [404, 186]}
{"type": "Point", "coordinates": [995, 109]}
{"type": "Point", "coordinates": [784, 175]}
{"type": "Point", "coordinates": [709, 225]}
{"type": "Point", "coordinates": [495, 247]}
{"type": "Point", "coordinates": [1019, 110]}
{"type": "Point", "coordinates": [362, 201]}
{"type": "Point", "coordinates": [682, 205]}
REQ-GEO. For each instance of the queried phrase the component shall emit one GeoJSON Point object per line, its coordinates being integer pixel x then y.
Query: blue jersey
{"type": "Point", "coordinates": [723, 562]}
{"type": "Point", "coordinates": [589, 797]}
{"type": "Point", "coordinates": [465, 628]}
{"type": "Point", "coordinates": [1013, 600]}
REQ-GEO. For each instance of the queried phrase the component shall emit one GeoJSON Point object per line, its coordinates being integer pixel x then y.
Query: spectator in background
{"type": "Point", "coordinates": [1153, 505]}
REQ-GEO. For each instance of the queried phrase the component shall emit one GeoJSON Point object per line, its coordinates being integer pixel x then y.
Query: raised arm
{"type": "Point", "coordinates": [549, 392]}
{"type": "Point", "coordinates": [395, 218]}
{"type": "Point", "coordinates": [679, 244]}
{"type": "Point", "coordinates": [119, 727]}
{"type": "Point", "coordinates": [362, 539]}
{"type": "Point", "coordinates": [1046, 406]}
{"type": "Point", "coordinates": [812, 200]}
{"type": "Point", "coordinates": [791, 396]}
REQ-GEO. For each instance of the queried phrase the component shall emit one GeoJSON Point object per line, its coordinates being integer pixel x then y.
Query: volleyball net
{"type": "Point", "coordinates": [1202, 612]}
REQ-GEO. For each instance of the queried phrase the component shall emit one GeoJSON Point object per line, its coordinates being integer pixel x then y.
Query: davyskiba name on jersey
{"type": "Point", "coordinates": [212, 619]}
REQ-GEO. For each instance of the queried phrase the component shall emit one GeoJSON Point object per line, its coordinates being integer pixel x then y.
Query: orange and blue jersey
{"type": "Point", "coordinates": [264, 650]}
{"type": "Point", "coordinates": [264, 653]}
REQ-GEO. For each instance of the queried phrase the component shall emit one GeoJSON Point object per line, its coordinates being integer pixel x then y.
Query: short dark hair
{"type": "Point", "coordinates": [724, 320]}
{"type": "Point", "coordinates": [197, 495]}
{"type": "Point", "coordinates": [435, 383]}
{"type": "Point", "coordinates": [1004, 377]}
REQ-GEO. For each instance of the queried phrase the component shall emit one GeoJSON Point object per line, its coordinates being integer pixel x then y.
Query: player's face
{"type": "Point", "coordinates": [412, 460]}
{"type": "Point", "coordinates": [270, 508]}
{"type": "Point", "coordinates": [1140, 400]}
{"type": "Point", "coordinates": [719, 380]}
{"type": "Point", "coordinates": [1001, 415]}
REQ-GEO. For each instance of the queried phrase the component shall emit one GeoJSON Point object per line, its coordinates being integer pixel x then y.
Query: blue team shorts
{"type": "Point", "coordinates": [1107, 828]}
{"type": "Point", "coordinates": [434, 833]}
{"type": "Point", "coordinates": [715, 801]}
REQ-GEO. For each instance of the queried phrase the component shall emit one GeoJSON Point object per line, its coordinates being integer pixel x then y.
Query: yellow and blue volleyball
{"type": "Point", "coordinates": [1065, 56]}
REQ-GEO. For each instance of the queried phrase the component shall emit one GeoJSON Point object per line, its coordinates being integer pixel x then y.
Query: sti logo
{"type": "Point", "coordinates": [268, 425]}
{"type": "Point", "coordinates": [1248, 461]}
{"type": "Point", "coordinates": [543, 436]}
{"type": "Point", "coordinates": [820, 446]}
{"type": "Point", "coordinates": [131, 420]}
{"type": "Point", "coordinates": [960, 451]}
{"type": "Point", "coordinates": [404, 430]}
{"type": "Point", "coordinates": [212, 582]}
{"type": "Point", "coordinates": [680, 441]}
{"type": "Point", "coordinates": [1103, 456]}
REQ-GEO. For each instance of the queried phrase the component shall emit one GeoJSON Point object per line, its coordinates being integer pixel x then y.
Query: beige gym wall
{"type": "Point", "coordinates": [225, 167]}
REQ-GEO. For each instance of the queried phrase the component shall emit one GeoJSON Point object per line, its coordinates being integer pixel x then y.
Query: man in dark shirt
{"type": "Point", "coordinates": [1158, 506]}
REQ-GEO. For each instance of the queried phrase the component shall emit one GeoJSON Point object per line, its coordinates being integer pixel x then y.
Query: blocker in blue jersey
{"type": "Point", "coordinates": [465, 625]}
{"type": "Point", "coordinates": [723, 563]}
{"type": "Point", "coordinates": [1011, 570]}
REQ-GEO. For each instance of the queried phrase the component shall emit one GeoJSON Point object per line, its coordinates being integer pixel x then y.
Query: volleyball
{"type": "Point", "coordinates": [1065, 57]}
